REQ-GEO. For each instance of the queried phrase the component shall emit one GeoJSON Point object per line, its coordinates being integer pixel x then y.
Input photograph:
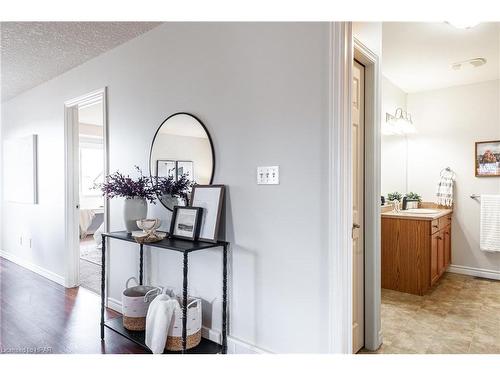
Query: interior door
{"type": "Point", "coordinates": [357, 205]}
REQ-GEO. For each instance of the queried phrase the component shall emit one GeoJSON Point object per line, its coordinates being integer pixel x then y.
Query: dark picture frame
{"type": "Point", "coordinates": [210, 198]}
{"type": "Point", "coordinates": [165, 162]}
{"type": "Point", "coordinates": [487, 159]}
{"type": "Point", "coordinates": [184, 224]}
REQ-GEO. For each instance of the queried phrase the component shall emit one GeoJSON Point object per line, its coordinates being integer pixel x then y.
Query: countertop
{"type": "Point", "coordinates": [413, 216]}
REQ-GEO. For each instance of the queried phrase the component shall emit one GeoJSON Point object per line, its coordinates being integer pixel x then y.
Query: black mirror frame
{"type": "Point", "coordinates": [209, 140]}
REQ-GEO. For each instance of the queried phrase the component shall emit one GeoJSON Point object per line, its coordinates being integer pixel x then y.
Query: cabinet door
{"type": "Point", "coordinates": [447, 246]}
{"type": "Point", "coordinates": [434, 258]}
{"type": "Point", "coordinates": [441, 260]}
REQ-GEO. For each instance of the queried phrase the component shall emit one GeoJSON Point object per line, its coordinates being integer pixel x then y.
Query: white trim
{"type": "Point", "coordinates": [33, 267]}
{"type": "Point", "coordinates": [472, 271]}
{"type": "Point", "coordinates": [71, 196]}
{"type": "Point", "coordinates": [340, 189]}
{"type": "Point", "coordinates": [234, 345]}
{"type": "Point", "coordinates": [372, 224]}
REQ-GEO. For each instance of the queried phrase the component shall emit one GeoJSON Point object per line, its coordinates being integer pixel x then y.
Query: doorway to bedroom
{"type": "Point", "coordinates": [86, 165]}
{"type": "Point", "coordinates": [91, 202]}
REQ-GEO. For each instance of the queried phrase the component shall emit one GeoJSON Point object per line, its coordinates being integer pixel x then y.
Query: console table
{"type": "Point", "coordinates": [184, 247]}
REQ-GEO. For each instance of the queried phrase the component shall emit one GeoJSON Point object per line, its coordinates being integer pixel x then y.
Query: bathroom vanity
{"type": "Point", "coordinates": [416, 249]}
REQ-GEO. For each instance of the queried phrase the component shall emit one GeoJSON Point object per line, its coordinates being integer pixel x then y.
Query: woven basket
{"type": "Point", "coordinates": [135, 304]}
{"type": "Point", "coordinates": [193, 338]}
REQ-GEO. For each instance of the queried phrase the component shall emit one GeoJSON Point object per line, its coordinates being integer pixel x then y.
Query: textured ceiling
{"type": "Point", "coordinates": [35, 52]}
{"type": "Point", "coordinates": [417, 56]}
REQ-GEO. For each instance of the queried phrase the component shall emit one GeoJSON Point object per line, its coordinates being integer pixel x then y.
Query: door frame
{"type": "Point", "coordinates": [372, 221]}
{"type": "Point", "coordinates": [71, 179]}
{"type": "Point", "coordinates": [343, 49]}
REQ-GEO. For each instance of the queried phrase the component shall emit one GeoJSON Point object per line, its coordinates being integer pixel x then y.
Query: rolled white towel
{"type": "Point", "coordinates": [158, 319]}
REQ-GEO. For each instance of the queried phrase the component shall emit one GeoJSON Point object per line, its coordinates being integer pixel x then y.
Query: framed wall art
{"type": "Point", "coordinates": [185, 222]}
{"type": "Point", "coordinates": [210, 198]}
{"type": "Point", "coordinates": [487, 159]}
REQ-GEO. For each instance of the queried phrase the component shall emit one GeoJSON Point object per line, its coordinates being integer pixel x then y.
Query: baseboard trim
{"type": "Point", "coordinates": [34, 268]}
{"type": "Point", "coordinates": [234, 345]}
{"type": "Point", "coordinates": [472, 271]}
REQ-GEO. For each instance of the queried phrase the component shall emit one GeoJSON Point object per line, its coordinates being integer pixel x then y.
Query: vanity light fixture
{"type": "Point", "coordinates": [400, 123]}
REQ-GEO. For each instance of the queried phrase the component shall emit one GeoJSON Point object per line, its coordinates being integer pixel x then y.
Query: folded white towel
{"type": "Point", "coordinates": [158, 319]}
{"type": "Point", "coordinates": [490, 223]}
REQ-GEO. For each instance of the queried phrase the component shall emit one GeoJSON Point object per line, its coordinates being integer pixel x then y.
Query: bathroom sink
{"type": "Point", "coordinates": [422, 211]}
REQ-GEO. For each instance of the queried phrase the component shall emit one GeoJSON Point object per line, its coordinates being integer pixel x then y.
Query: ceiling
{"type": "Point", "coordinates": [35, 52]}
{"type": "Point", "coordinates": [417, 56]}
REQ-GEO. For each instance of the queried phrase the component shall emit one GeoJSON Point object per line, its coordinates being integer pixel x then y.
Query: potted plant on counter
{"type": "Point", "coordinates": [413, 199]}
{"type": "Point", "coordinates": [137, 192]}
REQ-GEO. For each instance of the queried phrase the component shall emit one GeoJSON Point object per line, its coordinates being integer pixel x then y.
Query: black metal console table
{"type": "Point", "coordinates": [184, 247]}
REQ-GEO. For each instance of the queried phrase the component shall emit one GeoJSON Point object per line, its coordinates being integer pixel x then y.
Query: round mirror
{"type": "Point", "coordinates": [181, 155]}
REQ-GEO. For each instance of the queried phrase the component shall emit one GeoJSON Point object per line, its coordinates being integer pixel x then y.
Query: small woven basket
{"type": "Point", "coordinates": [135, 304]}
{"type": "Point", "coordinates": [193, 338]}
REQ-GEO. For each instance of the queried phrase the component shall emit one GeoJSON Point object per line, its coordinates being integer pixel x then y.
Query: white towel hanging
{"type": "Point", "coordinates": [490, 223]}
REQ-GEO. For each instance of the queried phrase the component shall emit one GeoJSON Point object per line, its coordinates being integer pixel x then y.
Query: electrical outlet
{"type": "Point", "coordinates": [268, 175]}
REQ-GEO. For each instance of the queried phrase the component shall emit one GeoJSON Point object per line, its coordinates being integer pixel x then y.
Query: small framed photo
{"type": "Point", "coordinates": [210, 198]}
{"type": "Point", "coordinates": [185, 222]}
{"type": "Point", "coordinates": [166, 168]}
{"type": "Point", "coordinates": [487, 159]}
{"type": "Point", "coordinates": [185, 167]}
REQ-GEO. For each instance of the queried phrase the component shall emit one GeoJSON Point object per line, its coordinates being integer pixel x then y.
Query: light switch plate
{"type": "Point", "coordinates": [268, 175]}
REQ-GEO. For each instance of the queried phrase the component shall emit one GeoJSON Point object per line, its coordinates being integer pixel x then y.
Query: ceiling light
{"type": "Point", "coordinates": [463, 24]}
{"type": "Point", "coordinates": [471, 63]}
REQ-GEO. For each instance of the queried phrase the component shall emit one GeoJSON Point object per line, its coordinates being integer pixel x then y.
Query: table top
{"type": "Point", "coordinates": [168, 243]}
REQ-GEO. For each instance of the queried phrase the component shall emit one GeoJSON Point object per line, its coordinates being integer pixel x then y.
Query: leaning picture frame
{"type": "Point", "coordinates": [487, 159]}
{"type": "Point", "coordinates": [185, 223]}
{"type": "Point", "coordinates": [210, 198]}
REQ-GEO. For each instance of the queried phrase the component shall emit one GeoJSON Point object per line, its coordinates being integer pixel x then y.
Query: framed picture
{"type": "Point", "coordinates": [210, 198]}
{"type": "Point", "coordinates": [166, 168]}
{"type": "Point", "coordinates": [185, 222]}
{"type": "Point", "coordinates": [487, 157]}
{"type": "Point", "coordinates": [185, 167]}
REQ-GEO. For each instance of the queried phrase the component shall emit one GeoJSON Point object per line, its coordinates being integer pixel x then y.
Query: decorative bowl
{"type": "Point", "coordinates": [148, 224]}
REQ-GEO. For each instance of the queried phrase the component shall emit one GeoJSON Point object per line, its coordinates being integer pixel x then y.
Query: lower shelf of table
{"type": "Point", "coordinates": [204, 347]}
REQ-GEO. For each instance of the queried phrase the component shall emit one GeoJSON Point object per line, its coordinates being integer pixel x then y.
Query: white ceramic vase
{"type": "Point", "coordinates": [134, 209]}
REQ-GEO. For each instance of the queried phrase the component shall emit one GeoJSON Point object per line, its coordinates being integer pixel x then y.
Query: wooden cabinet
{"type": "Point", "coordinates": [415, 252]}
{"type": "Point", "coordinates": [435, 257]}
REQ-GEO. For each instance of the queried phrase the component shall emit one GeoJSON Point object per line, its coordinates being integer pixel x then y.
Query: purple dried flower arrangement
{"type": "Point", "coordinates": [168, 186]}
{"type": "Point", "coordinates": [119, 185]}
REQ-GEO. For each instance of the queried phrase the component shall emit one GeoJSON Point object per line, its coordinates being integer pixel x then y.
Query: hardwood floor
{"type": "Point", "coordinates": [40, 316]}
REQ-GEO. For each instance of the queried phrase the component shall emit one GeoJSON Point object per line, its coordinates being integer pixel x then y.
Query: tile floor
{"type": "Point", "coordinates": [461, 314]}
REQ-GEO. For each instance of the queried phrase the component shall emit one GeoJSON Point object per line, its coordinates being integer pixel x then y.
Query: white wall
{"type": "Point", "coordinates": [262, 91]}
{"type": "Point", "coordinates": [449, 121]}
{"type": "Point", "coordinates": [393, 147]}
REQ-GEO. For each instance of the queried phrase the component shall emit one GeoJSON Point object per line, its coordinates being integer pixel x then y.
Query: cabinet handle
{"type": "Point", "coordinates": [435, 226]}
{"type": "Point", "coordinates": [439, 237]}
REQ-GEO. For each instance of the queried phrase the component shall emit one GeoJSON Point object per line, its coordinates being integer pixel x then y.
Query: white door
{"type": "Point", "coordinates": [357, 206]}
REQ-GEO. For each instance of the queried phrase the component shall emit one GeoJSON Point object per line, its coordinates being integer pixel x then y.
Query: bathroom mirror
{"type": "Point", "coordinates": [182, 147]}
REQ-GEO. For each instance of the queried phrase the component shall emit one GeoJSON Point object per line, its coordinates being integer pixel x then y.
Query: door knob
{"type": "Point", "coordinates": [356, 226]}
